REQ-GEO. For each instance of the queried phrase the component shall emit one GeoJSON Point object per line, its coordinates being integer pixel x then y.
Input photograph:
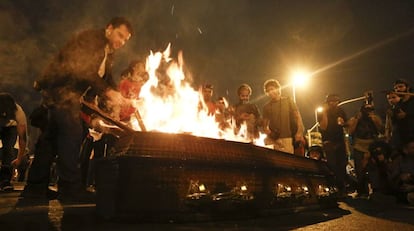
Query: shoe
{"type": "Point", "coordinates": [6, 186]}
{"type": "Point", "coordinates": [91, 189]}
{"type": "Point", "coordinates": [74, 193]}
{"type": "Point", "coordinates": [38, 191]}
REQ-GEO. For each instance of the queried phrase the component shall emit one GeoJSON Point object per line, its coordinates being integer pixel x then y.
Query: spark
{"type": "Point", "coordinates": [199, 30]}
{"type": "Point", "coordinates": [172, 9]}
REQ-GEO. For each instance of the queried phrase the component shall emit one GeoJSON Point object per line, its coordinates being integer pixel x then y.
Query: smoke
{"type": "Point", "coordinates": [225, 43]}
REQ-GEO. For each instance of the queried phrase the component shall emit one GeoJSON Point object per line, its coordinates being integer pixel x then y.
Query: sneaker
{"type": "Point", "coordinates": [6, 186]}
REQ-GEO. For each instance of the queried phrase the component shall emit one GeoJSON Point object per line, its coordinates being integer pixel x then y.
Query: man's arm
{"type": "Point", "coordinates": [353, 122]}
{"type": "Point", "coordinates": [299, 124]}
{"type": "Point", "coordinates": [21, 134]}
{"type": "Point", "coordinates": [323, 121]}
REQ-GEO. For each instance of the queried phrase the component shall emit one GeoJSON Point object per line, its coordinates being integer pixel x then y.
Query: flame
{"type": "Point", "coordinates": [169, 104]}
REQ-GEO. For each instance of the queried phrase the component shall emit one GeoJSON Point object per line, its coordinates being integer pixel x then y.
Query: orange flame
{"type": "Point", "coordinates": [169, 104]}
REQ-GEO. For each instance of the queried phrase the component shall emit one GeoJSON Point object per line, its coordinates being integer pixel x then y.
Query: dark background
{"type": "Point", "coordinates": [227, 42]}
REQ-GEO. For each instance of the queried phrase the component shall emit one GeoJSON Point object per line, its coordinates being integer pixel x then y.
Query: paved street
{"type": "Point", "coordinates": [352, 214]}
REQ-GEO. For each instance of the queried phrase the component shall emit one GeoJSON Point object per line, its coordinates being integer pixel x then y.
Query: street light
{"type": "Point", "coordinates": [315, 126]}
{"type": "Point", "coordinates": [317, 110]}
{"type": "Point", "coordinates": [299, 78]}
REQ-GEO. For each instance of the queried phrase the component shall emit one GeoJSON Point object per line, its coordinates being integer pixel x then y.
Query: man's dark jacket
{"type": "Point", "coordinates": [76, 66]}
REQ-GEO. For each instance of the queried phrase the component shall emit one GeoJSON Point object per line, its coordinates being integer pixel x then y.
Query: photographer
{"type": "Point", "coordinates": [364, 128]}
{"type": "Point", "coordinates": [391, 129]}
{"type": "Point", "coordinates": [404, 116]}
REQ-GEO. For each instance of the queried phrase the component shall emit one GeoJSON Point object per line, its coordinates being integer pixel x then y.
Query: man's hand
{"type": "Point", "coordinates": [340, 121]}
{"type": "Point", "coordinates": [114, 96]}
{"type": "Point", "coordinates": [299, 137]}
{"type": "Point", "coordinates": [16, 162]}
{"type": "Point", "coordinates": [401, 114]}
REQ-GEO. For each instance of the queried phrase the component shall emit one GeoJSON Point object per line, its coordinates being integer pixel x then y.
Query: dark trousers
{"type": "Point", "coordinates": [44, 154]}
{"type": "Point", "coordinates": [337, 161]}
{"type": "Point", "coordinates": [8, 136]}
{"type": "Point", "coordinates": [100, 149]}
{"type": "Point", "coordinates": [361, 171]}
{"type": "Point", "coordinates": [66, 126]}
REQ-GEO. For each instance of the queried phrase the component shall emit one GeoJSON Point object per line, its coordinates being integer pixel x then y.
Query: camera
{"type": "Point", "coordinates": [369, 99]}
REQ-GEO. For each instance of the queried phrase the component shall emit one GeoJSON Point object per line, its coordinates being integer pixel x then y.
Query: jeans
{"type": "Point", "coordinates": [8, 136]}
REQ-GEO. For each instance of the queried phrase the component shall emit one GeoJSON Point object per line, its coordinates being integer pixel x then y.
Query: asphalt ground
{"type": "Point", "coordinates": [17, 213]}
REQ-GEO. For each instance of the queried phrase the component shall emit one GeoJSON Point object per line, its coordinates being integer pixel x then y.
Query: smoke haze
{"type": "Point", "coordinates": [225, 43]}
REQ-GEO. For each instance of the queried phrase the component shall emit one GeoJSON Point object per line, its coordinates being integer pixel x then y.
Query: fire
{"type": "Point", "coordinates": [169, 104]}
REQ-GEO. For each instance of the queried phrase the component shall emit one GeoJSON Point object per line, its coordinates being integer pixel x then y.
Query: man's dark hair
{"type": "Point", "coordinates": [332, 98]}
{"type": "Point", "coordinates": [118, 21]}
{"type": "Point", "coordinates": [208, 86]}
{"type": "Point", "coordinates": [8, 107]}
{"type": "Point", "coordinates": [271, 82]}
{"type": "Point", "coordinates": [402, 81]}
{"type": "Point", "coordinates": [244, 86]}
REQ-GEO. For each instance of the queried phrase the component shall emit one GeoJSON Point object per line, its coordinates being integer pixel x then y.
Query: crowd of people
{"type": "Point", "coordinates": [82, 70]}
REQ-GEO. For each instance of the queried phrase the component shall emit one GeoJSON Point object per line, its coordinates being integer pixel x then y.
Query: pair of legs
{"type": "Point", "coordinates": [337, 160]}
{"type": "Point", "coordinates": [8, 136]}
{"type": "Point", "coordinates": [60, 138]}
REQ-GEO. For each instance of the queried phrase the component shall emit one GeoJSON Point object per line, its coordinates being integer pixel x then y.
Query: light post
{"type": "Point", "coordinates": [299, 78]}
{"type": "Point", "coordinates": [315, 126]}
{"type": "Point", "coordinates": [317, 110]}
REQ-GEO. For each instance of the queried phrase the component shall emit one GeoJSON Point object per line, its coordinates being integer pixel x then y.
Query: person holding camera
{"type": "Point", "coordinates": [281, 119]}
{"type": "Point", "coordinates": [404, 114]}
{"type": "Point", "coordinates": [364, 128]}
{"type": "Point", "coordinates": [391, 133]}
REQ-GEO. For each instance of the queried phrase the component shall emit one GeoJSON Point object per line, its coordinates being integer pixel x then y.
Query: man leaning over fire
{"type": "Point", "coordinates": [101, 138]}
{"type": "Point", "coordinates": [84, 63]}
{"type": "Point", "coordinates": [281, 119]}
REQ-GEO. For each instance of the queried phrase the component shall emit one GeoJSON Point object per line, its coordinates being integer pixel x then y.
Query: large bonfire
{"type": "Point", "coordinates": [168, 103]}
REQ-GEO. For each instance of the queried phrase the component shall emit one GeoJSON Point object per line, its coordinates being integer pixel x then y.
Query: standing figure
{"type": "Point", "coordinates": [82, 67]}
{"type": "Point", "coordinates": [391, 129]}
{"type": "Point", "coordinates": [206, 102]}
{"type": "Point", "coordinates": [332, 122]}
{"type": "Point", "coordinates": [12, 126]}
{"type": "Point", "coordinates": [404, 118]}
{"type": "Point", "coordinates": [281, 119]}
{"type": "Point", "coordinates": [223, 113]}
{"type": "Point", "coordinates": [364, 128]}
{"type": "Point", "coordinates": [246, 112]}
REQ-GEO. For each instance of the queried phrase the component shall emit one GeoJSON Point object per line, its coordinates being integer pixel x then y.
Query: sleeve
{"type": "Point", "coordinates": [292, 105]}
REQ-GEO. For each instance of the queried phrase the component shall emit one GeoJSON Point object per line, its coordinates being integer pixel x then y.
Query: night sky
{"type": "Point", "coordinates": [227, 43]}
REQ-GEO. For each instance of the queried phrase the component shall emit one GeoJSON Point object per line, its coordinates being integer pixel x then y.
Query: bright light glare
{"type": "Point", "coordinates": [319, 109]}
{"type": "Point", "coordinates": [300, 77]}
